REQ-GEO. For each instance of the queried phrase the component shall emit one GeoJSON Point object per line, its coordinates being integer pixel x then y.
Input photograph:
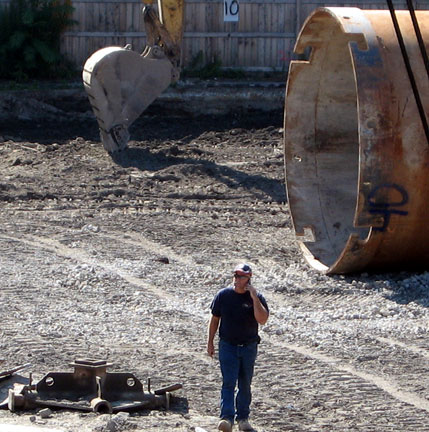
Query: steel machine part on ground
{"type": "Point", "coordinates": [89, 388]}
{"type": "Point", "coordinates": [356, 140]}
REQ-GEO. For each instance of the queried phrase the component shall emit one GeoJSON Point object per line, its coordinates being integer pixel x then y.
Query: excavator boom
{"type": "Point", "coordinates": [121, 83]}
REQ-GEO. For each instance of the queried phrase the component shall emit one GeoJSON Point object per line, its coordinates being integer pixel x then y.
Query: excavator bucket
{"type": "Point", "coordinates": [121, 83]}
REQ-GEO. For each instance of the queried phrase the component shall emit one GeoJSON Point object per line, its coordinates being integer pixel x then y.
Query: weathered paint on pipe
{"type": "Point", "coordinates": [356, 155]}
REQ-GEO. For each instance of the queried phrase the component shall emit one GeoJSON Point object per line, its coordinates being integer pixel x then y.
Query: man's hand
{"type": "Point", "coordinates": [261, 314]}
{"type": "Point", "coordinates": [213, 325]}
{"type": "Point", "coordinates": [210, 349]}
{"type": "Point", "coordinates": [251, 289]}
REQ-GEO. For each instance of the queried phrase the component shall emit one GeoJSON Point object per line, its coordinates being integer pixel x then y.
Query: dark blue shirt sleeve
{"type": "Point", "coordinates": [263, 301]}
{"type": "Point", "coordinates": [215, 306]}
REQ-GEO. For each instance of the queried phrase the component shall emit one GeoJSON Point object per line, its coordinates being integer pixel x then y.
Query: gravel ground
{"type": "Point", "coordinates": [118, 259]}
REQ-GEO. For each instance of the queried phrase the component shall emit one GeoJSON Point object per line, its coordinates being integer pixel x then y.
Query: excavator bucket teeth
{"type": "Point", "coordinates": [121, 84]}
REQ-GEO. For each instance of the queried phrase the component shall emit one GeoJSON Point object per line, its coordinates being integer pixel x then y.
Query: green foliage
{"type": "Point", "coordinates": [212, 69]}
{"type": "Point", "coordinates": [30, 39]}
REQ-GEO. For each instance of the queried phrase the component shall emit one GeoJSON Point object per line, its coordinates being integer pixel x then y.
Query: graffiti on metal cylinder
{"type": "Point", "coordinates": [386, 209]}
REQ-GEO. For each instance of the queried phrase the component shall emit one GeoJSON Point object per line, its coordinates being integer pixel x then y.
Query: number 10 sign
{"type": "Point", "coordinates": [230, 10]}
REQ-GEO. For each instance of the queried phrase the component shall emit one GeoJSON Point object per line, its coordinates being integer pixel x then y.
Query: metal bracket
{"type": "Point", "coordinates": [89, 388]}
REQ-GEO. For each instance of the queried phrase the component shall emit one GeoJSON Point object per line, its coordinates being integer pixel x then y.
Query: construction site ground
{"type": "Point", "coordinates": [118, 258]}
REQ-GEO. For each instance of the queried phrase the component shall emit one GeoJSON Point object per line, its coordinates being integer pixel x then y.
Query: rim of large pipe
{"type": "Point", "coordinates": [344, 85]}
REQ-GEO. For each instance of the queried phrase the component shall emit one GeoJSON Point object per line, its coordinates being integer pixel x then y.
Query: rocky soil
{"type": "Point", "coordinates": [119, 258]}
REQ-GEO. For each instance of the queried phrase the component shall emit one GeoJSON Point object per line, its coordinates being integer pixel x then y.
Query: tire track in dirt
{"type": "Point", "coordinates": [394, 384]}
{"type": "Point", "coordinates": [36, 343]}
{"type": "Point", "coordinates": [367, 310]}
{"type": "Point", "coordinates": [79, 255]}
{"type": "Point", "coordinates": [316, 387]}
{"type": "Point", "coordinates": [138, 240]}
{"type": "Point", "coordinates": [384, 384]}
{"type": "Point", "coordinates": [406, 346]}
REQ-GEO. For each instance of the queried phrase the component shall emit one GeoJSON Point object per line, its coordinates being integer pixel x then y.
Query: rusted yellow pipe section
{"type": "Point", "coordinates": [356, 153]}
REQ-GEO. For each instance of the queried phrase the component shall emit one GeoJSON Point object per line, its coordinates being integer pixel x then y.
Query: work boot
{"type": "Point", "coordinates": [225, 425]}
{"type": "Point", "coordinates": [244, 425]}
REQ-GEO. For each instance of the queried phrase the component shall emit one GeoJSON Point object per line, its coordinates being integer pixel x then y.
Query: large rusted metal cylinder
{"type": "Point", "coordinates": [356, 153]}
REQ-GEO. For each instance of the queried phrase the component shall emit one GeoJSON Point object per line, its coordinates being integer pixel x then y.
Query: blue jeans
{"type": "Point", "coordinates": [236, 365]}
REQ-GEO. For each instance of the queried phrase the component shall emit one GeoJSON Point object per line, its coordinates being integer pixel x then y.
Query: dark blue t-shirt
{"type": "Point", "coordinates": [237, 320]}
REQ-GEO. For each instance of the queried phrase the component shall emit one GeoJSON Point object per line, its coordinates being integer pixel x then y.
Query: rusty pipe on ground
{"type": "Point", "coordinates": [356, 154]}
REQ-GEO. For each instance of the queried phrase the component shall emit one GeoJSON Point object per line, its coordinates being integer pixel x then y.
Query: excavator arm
{"type": "Point", "coordinates": [122, 83]}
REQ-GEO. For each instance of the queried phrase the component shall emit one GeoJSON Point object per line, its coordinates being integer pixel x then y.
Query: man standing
{"type": "Point", "coordinates": [239, 310]}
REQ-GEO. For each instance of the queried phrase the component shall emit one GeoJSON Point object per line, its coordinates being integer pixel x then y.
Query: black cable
{"type": "Point", "coordinates": [418, 35]}
{"type": "Point", "coordinates": [409, 69]}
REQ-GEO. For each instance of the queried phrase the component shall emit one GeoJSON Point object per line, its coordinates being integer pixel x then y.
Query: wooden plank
{"type": "Point", "coordinates": [281, 18]}
{"type": "Point", "coordinates": [245, 60]}
{"type": "Point", "coordinates": [103, 17]}
{"type": "Point", "coordinates": [234, 49]}
{"type": "Point", "coordinates": [82, 17]}
{"type": "Point", "coordinates": [248, 53]}
{"type": "Point", "coordinates": [187, 50]}
{"type": "Point", "coordinates": [109, 16]}
{"type": "Point", "coordinates": [267, 52]}
{"type": "Point", "coordinates": [89, 17]}
{"type": "Point", "coordinates": [191, 17]}
{"type": "Point", "coordinates": [261, 41]}
{"type": "Point", "coordinates": [241, 46]}
{"type": "Point", "coordinates": [244, 23]}
{"type": "Point", "coordinates": [75, 16]}
{"type": "Point", "coordinates": [298, 21]}
{"type": "Point", "coordinates": [201, 18]}
{"type": "Point", "coordinates": [268, 17]}
{"type": "Point", "coordinates": [82, 51]}
{"type": "Point", "coordinates": [254, 16]}
{"type": "Point", "coordinates": [242, 17]}
{"type": "Point", "coordinates": [254, 52]}
{"type": "Point", "coordinates": [218, 24]}
{"type": "Point", "coordinates": [226, 44]}
{"type": "Point", "coordinates": [95, 24]}
{"type": "Point", "coordinates": [139, 17]}
{"type": "Point", "coordinates": [207, 12]}
{"type": "Point", "coordinates": [129, 26]}
{"type": "Point", "coordinates": [291, 19]}
{"type": "Point", "coordinates": [122, 16]}
{"type": "Point", "coordinates": [195, 48]}
{"type": "Point", "coordinates": [254, 25]}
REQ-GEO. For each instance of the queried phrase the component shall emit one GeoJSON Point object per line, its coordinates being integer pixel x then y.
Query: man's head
{"type": "Point", "coordinates": [243, 270]}
{"type": "Point", "coordinates": [242, 275]}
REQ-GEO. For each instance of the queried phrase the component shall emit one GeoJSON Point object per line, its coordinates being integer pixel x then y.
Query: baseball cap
{"type": "Point", "coordinates": [243, 270]}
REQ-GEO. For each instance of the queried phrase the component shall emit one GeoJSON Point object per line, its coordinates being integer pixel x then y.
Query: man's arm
{"type": "Point", "coordinates": [259, 310]}
{"type": "Point", "coordinates": [213, 326]}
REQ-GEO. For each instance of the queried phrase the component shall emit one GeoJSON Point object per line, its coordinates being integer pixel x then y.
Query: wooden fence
{"type": "Point", "coordinates": [263, 38]}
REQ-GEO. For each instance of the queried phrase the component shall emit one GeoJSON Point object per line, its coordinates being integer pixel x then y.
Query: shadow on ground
{"type": "Point", "coordinates": [145, 160]}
